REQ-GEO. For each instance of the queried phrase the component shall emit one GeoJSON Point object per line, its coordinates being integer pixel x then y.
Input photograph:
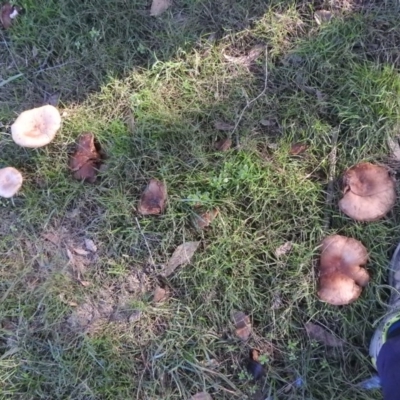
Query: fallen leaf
{"type": "Point", "coordinates": [80, 251]}
{"type": "Point", "coordinates": [323, 16]}
{"type": "Point", "coordinates": [86, 160]}
{"type": "Point", "coordinates": [297, 148]}
{"type": "Point", "coordinates": [160, 295]}
{"type": "Point", "coordinates": [159, 6]}
{"type": "Point", "coordinates": [8, 13]}
{"type": "Point", "coordinates": [319, 334]}
{"type": "Point", "coordinates": [201, 396]}
{"type": "Point", "coordinates": [204, 220]}
{"type": "Point", "coordinates": [89, 244]}
{"type": "Point", "coordinates": [181, 256]}
{"type": "Point", "coordinates": [153, 199]}
{"type": "Point", "coordinates": [223, 126]}
{"type": "Point", "coordinates": [246, 61]}
{"type": "Point", "coordinates": [283, 249]}
{"type": "Point", "coordinates": [394, 147]}
{"type": "Point", "coordinates": [242, 324]}
{"type": "Point", "coordinates": [52, 237]}
{"type": "Point", "coordinates": [223, 144]}
{"type": "Point", "coordinates": [85, 283]}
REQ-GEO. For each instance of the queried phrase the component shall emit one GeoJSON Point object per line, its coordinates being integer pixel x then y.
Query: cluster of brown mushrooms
{"type": "Point", "coordinates": [369, 194]}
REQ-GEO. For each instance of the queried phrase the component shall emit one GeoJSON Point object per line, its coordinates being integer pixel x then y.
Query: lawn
{"type": "Point", "coordinates": [157, 92]}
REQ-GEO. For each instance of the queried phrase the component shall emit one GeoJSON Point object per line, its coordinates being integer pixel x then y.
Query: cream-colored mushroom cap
{"type": "Point", "coordinates": [37, 127]}
{"type": "Point", "coordinates": [10, 181]}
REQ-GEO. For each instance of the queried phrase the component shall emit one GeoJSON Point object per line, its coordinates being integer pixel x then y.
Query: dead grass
{"type": "Point", "coordinates": [85, 326]}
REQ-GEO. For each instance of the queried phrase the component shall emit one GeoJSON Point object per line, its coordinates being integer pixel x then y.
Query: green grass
{"type": "Point", "coordinates": [110, 60]}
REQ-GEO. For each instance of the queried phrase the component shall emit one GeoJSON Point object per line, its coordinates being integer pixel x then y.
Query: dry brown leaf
{"type": "Point", "coordinates": [8, 13]}
{"type": "Point", "coordinates": [89, 244]}
{"type": "Point", "coordinates": [181, 256]}
{"type": "Point", "coordinates": [223, 144]}
{"type": "Point", "coordinates": [52, 237]}
{"type": "Point", "coordinates": [153, 199]}
{"type": "Point", "coordinates": [242, 325]}
{"type": "Point", "coordinates": [160, 295]}
{"type": "Point", "coordinates": [283, 249]}
{"type": "Point", "coordinates": [159, 6]}
{"type": "Point", "coordinates": [86, 160]}
{"type": "Point", "coordinates": [297, 148]}
{"type": "Point", "coordinates": [319, 334]}
{"type": "Point", "coordinates": [85, 283]}
{"type": "Point", "coordinates": [80, 251]}
{"type": "Point", "coordinates": [204, 220]}
{"type": "Point", "coordinates": [201, 396]}
{"type": "Point", "coordinates": [254, 354]}
{"type": "Point", "coordinates": [223, 126]}
{"type": "Point", "coordinates": [246, 61]}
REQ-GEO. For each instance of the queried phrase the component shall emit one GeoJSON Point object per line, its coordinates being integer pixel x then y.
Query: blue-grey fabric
{"type": "Point", "coordinates": [389, 368]}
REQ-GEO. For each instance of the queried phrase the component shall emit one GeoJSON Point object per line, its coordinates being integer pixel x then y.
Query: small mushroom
{"type": "Point", "coordinates": [341, 274]}
{"type": "Point", "coordinates": [37, 127]}
{"type": "Point", "coordinates": [369, 192]}
{"type": "Point", "coordinates": [10, 181]}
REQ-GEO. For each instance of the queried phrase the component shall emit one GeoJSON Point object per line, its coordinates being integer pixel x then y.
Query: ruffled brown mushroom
{"type": "Point", "coordinates": [341, 274]}
{"type": "Point", "coordinates": [369, 192]}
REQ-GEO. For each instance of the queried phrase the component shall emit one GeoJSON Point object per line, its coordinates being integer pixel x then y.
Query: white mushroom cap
{"type": "Point", "coordinates": [10, 181]}
{"type": "Point", "coordinates": [37, 127]}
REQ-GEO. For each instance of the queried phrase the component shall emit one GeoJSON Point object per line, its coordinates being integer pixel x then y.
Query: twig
{"type": "Point", "coordinates": [145, 241]}
{"type": "Point", "coordinates": [331, 178]}
{"type": "Point", "coordinates": [249, 103]}
{"type": "Point", "coordinates": [53, 67]}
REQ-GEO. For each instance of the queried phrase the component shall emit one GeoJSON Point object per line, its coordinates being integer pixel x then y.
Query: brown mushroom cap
{"type": "Point", "coordinates": [369, 192]}
{"type": "Point", "coordinates": [341, 274]}
{"type": "Point", "coordinates": [338, 289]}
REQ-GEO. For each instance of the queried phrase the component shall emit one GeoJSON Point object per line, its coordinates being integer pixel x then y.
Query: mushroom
{"type": "Point", "coordinates": [369, 192]}
{"type": "Point", "coordinates": [341, 274]}
{"type": "Point", "coordinates": [10, 181]}
{"type": "Point", "coordinates": [37, 127]}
